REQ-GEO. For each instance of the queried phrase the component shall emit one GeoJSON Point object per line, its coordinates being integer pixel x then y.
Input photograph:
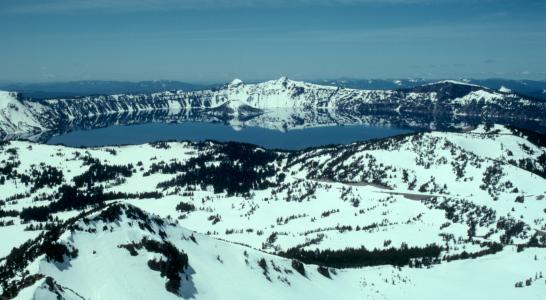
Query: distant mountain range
{"type": "Point", "coordinates": [530, 88]}
{"type": "Point", "coordinates": [97, 87]}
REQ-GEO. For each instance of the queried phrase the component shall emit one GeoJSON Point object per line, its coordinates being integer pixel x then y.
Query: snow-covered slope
{"type": "Point", "coordinates": [16, 116]}
{"type": "Point", "coordinates": [436, 205]}
{"type": "Point", "coordinates": [305, 194]}
{"type": "Point", "coordinates": [445, 98]}
{"type": "Point", "coordinates": [121, 252]}
{"type": "Point", "coordinates": [110, 254]}
{"type": "Point", "coordinates": [490, 180]}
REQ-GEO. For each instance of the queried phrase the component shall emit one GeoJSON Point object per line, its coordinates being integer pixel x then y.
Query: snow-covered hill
{"type": "Point", "coordinates": [17, 116]}
{"type": "Point", "coordinates": [438, 205]}
{"type": "Point", "coordinates": [445, 98]}
{"type": "Point", "coordinates": [121, 252]}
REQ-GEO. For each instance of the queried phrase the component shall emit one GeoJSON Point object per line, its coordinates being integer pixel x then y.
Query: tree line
{"type": "Point", "coordinates": [362, 257]}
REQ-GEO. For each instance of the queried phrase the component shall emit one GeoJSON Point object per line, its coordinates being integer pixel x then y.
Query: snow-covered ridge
{"type": "Point", "coordinates": [106, 262]}
{"type": "Point", "coordinates": [461, 191]}
{"type": "Point", "coordinates": [441, 98]}
{"type": "Point", "coordinates": [110, 254]}
{"type": "Point", "coordinates": [17, 116]}
{"type": "Point", "coordinates": [455, 82]}
{"type": "Point", "coordinates": [504, 89]}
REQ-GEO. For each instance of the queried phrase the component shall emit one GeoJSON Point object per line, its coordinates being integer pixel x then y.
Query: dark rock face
{"type": "Point", "coordinates": [448, 90]}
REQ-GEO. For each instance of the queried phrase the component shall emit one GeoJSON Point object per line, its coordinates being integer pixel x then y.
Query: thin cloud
{"type": "Point", "coordinates": [60, 6]}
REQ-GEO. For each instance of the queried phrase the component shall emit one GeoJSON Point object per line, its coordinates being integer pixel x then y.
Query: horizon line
{"type": "Point", "coordinates": [210, 82]}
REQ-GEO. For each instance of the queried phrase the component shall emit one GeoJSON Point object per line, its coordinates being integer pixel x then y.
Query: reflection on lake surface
{"type": "Point", "coordinates": [199, 131]}
{"type": "Point", "coordinates": [282, 128]}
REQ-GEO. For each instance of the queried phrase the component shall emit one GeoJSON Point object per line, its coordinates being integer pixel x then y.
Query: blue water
{"type": "Point", "coordinates": [196, 131]}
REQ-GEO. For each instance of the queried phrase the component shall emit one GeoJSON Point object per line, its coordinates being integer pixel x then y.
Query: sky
{"type": "Point", "coordinates": [218, 40]}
